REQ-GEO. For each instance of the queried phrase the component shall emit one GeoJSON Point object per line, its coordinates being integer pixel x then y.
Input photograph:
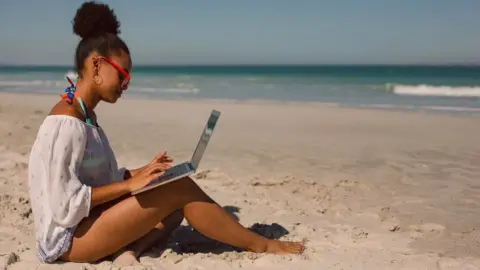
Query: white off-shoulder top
{"type": "Point", "coordinates": [68, 158]}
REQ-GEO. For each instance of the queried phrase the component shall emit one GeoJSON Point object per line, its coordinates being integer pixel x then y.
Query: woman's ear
{"type": "Point", "coordinates": [97, 78]}
{"type": "Point", "coordinates": [95, 65]}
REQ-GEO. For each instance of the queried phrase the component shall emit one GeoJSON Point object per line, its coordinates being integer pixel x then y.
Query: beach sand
{"type": "Point", "coordinates": [365, 189]}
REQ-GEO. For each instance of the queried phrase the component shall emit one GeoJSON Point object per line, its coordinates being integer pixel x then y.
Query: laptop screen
{"type": "Point", "coordinates": [206, 134]}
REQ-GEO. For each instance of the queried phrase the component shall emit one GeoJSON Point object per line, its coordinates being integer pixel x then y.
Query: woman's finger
{"type": "Point", "coordinates": [161, 155]}
{"type": "Point", "coordinates": [155, 175]}
{"type": "Point", "coordinates": [155, 167]}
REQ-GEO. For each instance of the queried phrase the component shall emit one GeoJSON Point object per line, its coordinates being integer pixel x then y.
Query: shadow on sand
{"type": "Point", "coordinates": [187, 240]}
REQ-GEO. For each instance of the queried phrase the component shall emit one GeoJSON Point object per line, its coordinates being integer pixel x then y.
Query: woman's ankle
{"type": "Point", "coordinates": [259, 246]}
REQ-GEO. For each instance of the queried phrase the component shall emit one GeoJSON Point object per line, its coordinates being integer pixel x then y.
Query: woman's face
{"type": "Point", "coordinates": [111, 75]}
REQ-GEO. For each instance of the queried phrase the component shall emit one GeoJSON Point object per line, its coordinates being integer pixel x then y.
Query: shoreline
{"type": "Point", "coordinates": [427, 110]}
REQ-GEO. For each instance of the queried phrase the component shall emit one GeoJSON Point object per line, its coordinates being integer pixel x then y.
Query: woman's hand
{"type": "Point", "coordinates": [162, 158]}
{"type": "Point", "coordinates": [146, 175]}
{"type": "Point", "coordinates": [159, 159]}
{"type": "Point", "coordinates": [134, 180]}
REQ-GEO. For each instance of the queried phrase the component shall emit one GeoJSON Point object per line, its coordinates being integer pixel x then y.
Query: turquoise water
{"type": "Point", "coordinates": [455, 88]}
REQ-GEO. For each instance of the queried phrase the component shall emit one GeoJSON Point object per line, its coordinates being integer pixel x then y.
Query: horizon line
{"type": "Point", "coordinates": [267, 65]}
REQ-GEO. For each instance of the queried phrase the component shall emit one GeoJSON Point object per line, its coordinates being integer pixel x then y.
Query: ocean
{"type": "Point", "coordinates": [452, 89]}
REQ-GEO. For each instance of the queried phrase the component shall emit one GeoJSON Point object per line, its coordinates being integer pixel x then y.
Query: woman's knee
{"type": "Point", "coordinates": [175, 194]}
{"type": "Point", "coordinates": [187, 189]}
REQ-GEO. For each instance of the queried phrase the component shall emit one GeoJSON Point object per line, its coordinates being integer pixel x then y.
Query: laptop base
{"type": "Point", "coordinates": [174, 173]}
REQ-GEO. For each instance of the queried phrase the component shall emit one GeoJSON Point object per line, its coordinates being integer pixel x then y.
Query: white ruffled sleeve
{"type": "Point", "coordinates": [63, 144]}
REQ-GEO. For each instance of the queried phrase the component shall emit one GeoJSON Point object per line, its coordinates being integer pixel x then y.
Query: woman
{"type": "Point", "coordinates": [80, 199]}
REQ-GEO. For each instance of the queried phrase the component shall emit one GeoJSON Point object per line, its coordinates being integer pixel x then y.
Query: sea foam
{"type": "Point", "coordinates": [431, 90]}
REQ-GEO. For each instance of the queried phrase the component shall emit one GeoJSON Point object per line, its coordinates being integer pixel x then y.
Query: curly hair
{"type": "Point", "coordinates": [98, 28]}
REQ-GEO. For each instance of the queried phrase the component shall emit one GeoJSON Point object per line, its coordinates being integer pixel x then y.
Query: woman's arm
{"type": "Point", "coordinates": [108, 192]}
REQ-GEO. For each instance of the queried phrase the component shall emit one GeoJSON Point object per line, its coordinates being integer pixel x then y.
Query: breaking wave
{"type": "Point", "coordinates": [431, 90]}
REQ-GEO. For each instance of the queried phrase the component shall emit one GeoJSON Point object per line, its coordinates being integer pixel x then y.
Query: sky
{"type": "Point", "coordinates": [182, 32]}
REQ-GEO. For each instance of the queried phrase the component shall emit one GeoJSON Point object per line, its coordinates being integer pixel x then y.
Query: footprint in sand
{"type": "Point", "coordinates": [426, 230]}
{"type": "Point", "coordinates": [341, 235]}
{"type": "Point", "coordinates": [202, 174]}
{"type": "Point", "coordinates": [388, 214]}
{"type": "Point", "coordinates": [215, 175]}
{"type": "Point", "coordinates": [274, 181]}
{"type": "Point", "coordinates": [346, 183]}
{"type": "Point", "coordinates": [7, 259]}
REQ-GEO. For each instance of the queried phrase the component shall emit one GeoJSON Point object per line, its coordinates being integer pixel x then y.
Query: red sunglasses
{"type": "Point", "coordinates": [123, 75]}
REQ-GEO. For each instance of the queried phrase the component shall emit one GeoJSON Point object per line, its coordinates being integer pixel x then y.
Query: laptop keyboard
{"type": "Point", "coordinates": [176, 171]}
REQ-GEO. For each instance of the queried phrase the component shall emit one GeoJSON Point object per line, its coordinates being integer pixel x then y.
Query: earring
{"type": "Point", "coordinates": [97, 79]}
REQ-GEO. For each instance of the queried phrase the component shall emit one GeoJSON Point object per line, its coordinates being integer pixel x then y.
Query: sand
{"type": "Point", "coordinates": [365, 189]}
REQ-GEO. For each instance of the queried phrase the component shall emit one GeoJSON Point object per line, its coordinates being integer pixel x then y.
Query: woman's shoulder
{"type": "Point", "coordinates": [63, 108]}
{"type": "Point", "coordinates": [63, 119]}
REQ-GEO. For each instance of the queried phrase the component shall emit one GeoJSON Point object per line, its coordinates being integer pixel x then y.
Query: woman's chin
{"type": "Point", "coordinates": [116, 96]}
{"type": "Point", "coordinates": [111, 99]}
{"type": "Point", "coordinates": [114, 100]}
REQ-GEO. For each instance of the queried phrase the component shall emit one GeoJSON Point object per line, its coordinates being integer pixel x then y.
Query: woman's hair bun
{"type": "Point", "coordinates": [95, 19]}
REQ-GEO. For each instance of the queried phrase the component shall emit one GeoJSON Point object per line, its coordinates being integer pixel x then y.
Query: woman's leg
{"type": "Point", "coordinates": [104, 233]}
{"type": "Point", "coordinates": [159, 234]}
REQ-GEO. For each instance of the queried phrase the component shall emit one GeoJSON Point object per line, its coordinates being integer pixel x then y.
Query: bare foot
{"type": "Point", "coordinates": [279, 247]}
{"type": "Point", "coordinates": [125, 258]}
{"type": "Point", "coordinates": [284, 247]}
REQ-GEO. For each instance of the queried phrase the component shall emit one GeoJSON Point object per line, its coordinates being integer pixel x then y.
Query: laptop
{"type": "Point", "coordinates": [186, 168]}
